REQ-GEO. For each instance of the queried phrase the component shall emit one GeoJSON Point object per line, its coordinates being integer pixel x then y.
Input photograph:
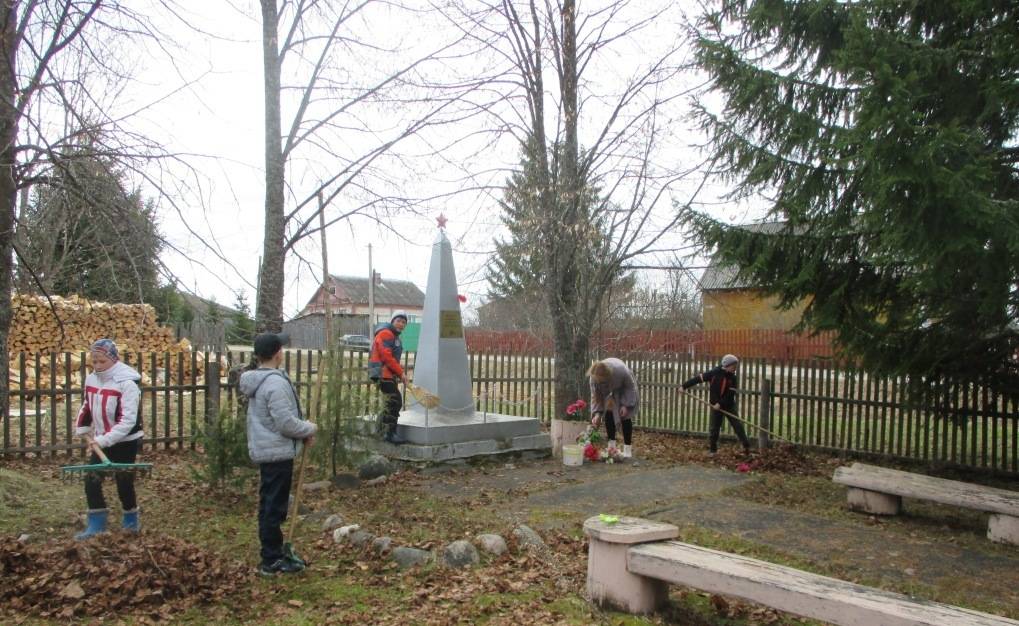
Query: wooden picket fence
{"type": "Point", "coordinates": [810, 403]}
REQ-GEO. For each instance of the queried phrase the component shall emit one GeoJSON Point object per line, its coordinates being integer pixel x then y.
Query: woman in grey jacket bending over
{"type": "Point", "coordinates": [614, 395]}
{"type": "Point", "coordinates": [275, 425]}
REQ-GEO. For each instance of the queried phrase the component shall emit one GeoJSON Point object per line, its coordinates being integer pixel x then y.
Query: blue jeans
{"type": "Point", "coordinates": [274, 497]}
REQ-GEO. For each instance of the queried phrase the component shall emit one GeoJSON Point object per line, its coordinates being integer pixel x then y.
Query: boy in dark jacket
{"type": "Point", "coordinates": [722, 397]}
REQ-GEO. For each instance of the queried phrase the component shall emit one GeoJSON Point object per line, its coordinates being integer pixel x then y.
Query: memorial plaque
{"type": "Point", "coordinates": [450, 325]}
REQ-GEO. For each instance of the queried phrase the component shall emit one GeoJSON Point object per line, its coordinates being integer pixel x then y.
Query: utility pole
{"type": "Point", "coordinates": [371, 292]}
{"type": "Point", "coordinates": [327, 282]}
{"type": "Point", "coordinates": [327, 301]}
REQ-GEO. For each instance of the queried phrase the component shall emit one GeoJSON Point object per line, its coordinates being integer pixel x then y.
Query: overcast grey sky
{"type": "Point", "coordinates": [218, 118]}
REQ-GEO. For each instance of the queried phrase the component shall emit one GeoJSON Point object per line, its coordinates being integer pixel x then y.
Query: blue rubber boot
{"type": "Point", "coordinates": [96, 524]}
{"type": "Point", "coordinates": [130, 522]}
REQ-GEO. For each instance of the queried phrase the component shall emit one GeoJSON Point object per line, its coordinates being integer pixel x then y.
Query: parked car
{"type": "Point", "coordinates": [356, 342]}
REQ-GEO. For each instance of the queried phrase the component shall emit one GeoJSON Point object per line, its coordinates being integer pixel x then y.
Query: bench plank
{"type": "Point", "coordinates": [918, 486]}
{"type": "Point", "coordinates": [794, 591]}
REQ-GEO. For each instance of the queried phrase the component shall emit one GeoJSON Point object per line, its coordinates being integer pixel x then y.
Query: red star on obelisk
{"type": "Point", "coordinates": [441, 220]}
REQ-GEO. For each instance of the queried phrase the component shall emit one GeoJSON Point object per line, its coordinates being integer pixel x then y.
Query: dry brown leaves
{"type": "Point", "coordinates": [114, 574]}
{"type": "Point", "coordinates": [444, 596]}
{"type": "Point", "coordinates": [782, 459]}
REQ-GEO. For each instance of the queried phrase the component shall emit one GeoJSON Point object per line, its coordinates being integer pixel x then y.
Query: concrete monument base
{"type": "Point", "coordinates": [438, 437]}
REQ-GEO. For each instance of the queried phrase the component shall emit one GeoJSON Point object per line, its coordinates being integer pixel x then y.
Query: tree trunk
{"type": "Point", "coordinates": [8, 189]}
{"type": "Point", "coordinates": [269, 308]}
{"type": "Point", "coordinates": [571, 339]}
{"type": "Point", "coordinates": [571, 363]}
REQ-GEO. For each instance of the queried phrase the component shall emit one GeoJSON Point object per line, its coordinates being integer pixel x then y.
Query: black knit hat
{"type": "Point", "coordinates": [268, 344]}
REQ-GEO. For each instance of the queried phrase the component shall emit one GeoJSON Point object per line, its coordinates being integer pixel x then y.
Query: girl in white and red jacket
{"type": "Point", "coordinates": [109, 416]}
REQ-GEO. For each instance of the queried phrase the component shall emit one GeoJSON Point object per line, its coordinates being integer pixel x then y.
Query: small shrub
{"type": "Point", "coordinates": [341, 421]}
{"type": "Point", "coordinates": [225, 446]}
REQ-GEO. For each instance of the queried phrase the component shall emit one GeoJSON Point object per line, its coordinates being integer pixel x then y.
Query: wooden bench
{"type": "Point", "coordinates": [879, 491]}
{"type": "Point", "coordinates": [632, 562]}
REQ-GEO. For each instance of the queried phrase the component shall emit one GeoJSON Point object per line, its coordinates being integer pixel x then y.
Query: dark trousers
{"type": "Point", "coordinates": [273, 499]}
{"type": "Point", "coordinates": [123, 452]}
{"type": "Point", "coordinates": [715, 428]}
{"type": "Point", "coordinates": [392, 401]}
{"type": "Point", "coordinates": [610, 428]}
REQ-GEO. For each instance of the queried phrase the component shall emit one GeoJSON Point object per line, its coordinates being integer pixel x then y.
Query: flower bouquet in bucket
{"type": "Point", "coordinates": [589, 439]}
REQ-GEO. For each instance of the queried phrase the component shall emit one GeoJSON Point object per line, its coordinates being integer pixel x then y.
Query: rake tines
{"type": "Point", "coordinates": [105, 467]}
{"type": "Point", "coordinates": [71, 472]}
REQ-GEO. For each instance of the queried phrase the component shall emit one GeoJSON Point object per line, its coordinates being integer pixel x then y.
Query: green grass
{"type": "Point", "coordinates": [30, 504]}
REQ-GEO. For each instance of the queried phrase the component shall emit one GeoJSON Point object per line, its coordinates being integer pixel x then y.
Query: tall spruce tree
{"type": "Point", "coordinates": [883, 134]}
{"type": "Point", "coordinates": [516, 268]}
{"type": "Point", "coordinates": [520, 266]}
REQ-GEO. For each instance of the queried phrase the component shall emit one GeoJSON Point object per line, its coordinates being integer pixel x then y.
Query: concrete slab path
{"type": "Point", "coordinates": [693, 496]}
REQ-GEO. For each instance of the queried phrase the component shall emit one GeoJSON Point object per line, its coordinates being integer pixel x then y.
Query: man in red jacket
{"type": "Point", "coordinates": [384, 368]}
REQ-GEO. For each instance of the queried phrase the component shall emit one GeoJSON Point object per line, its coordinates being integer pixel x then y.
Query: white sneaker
{"type": "Point", "coordinates": [611, 444]}
{"type": "Point", "coordinates": [627, 451]}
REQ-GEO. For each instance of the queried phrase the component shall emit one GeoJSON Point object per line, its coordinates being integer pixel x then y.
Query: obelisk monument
{"type": "Point", "coordinates": [454, 428]}
{"type": "Point", "coordinates": [441, 364]}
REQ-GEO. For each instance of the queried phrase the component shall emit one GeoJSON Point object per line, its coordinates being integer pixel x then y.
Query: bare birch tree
{"type": "Point", "coordinates": [343, 89]}
{"type": "Point", "coordinates": [592, 99]}
{"type": "Point", "coordinates": [64, 65]}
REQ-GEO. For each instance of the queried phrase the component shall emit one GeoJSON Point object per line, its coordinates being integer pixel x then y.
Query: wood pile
{"type": "Point", "coordinates": [35, 330]}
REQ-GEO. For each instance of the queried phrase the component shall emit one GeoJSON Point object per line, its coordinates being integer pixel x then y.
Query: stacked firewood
{"type": "Point", "coordinates": [70, 325]}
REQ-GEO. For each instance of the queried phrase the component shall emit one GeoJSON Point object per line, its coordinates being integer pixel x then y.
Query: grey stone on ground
{"type": "Point", "coordinates": [340, 534]}
{"type": "Point", "coordinates": [346, 480]}
{"type": "Point", "coordinates": [409, 557]}
{"type": "Point", "coordinates": [492, 544]}
{"type": "Point", "coordinates": [24, 537]}
{"type": "Point", "coordinates": [527, 538]}
{"type": "Point", "coordinates": [314, 517]}
{"type": "Point", "coordinates": [359, 537]}
{"type": "Point", "coordinates": [320, 485]}
{"type": "Point", "coordinates": [460, 554]}
{"type": "Point", "coordinates": [376, 465]}
{"type": "Point", "coordinates": [333, 521]}
{"type": "Point", "coordinates": [378, 480]}
{"type": "Point", "coordinates": [382, 544]}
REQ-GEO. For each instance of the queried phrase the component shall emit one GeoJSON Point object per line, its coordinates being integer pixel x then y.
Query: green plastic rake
{"type": "Point", "coordinates": [106, 467]}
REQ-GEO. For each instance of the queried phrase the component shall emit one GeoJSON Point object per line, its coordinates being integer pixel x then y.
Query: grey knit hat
{"type": "Point", "coordinates": [729, 359]}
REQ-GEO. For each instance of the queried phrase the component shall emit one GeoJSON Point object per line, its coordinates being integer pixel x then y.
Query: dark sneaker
{"type": "Point", "coordinates": [280, 566]}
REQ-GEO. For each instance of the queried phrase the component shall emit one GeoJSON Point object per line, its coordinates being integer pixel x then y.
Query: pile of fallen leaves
{"type": "Point", "coordinates": [788, 459]}
{"type": "Point", "coordinates": [113, 574]}
{"type": "Point", "coordinates": [784, 459]}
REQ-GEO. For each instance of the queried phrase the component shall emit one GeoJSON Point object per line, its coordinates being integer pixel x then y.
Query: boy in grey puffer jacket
{"type": "Point", "coordinates": [275, 424]}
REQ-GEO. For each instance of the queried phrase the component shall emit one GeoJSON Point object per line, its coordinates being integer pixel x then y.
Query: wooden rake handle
{"type": "Point", "coordinates": [98, 450]}
{"type": "Point", "coordinates": [292, 526]}
{"type": "Point", "coordinates": [734, 416]}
